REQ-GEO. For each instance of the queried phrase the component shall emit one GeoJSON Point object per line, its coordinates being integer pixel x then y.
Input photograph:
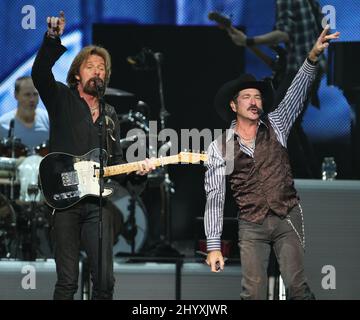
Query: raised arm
{"type": "Point", "coordinates": [49, 52]}
{"type": "Point", "coordinates": [290, 107]}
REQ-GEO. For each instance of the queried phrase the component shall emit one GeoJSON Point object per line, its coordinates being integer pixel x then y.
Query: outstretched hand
{"type": "Point", "coordinates": [322, 43]}
{"type": "Point", "coordinates": [56, 25]}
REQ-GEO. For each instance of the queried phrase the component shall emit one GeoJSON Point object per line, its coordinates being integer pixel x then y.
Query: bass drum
{"type": "Point", "coordinates": [27, 173]}
{"type": "Point", "coordinates": [120, 205]}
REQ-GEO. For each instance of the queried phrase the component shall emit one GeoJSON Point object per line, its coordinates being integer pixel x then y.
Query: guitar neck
{"type": "Point", "coordinates": [135, 166]}
{"type": "Point", "coordinates": [225, 23]}
{"type": "Point", "coordinates": [264, 57]}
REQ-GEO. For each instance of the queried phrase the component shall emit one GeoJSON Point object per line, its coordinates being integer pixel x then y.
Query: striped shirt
{"type": "Point", "coordinates": [281, 120]}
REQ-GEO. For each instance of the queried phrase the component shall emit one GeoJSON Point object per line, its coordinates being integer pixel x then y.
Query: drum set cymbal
{"type": "Point", "coordinates": [121, 100]}
{"type": "Point", "coordinates": [118, 93]}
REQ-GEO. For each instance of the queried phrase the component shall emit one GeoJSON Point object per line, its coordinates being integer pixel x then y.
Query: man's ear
{"type": "Point", "coordinates": [233, 106]}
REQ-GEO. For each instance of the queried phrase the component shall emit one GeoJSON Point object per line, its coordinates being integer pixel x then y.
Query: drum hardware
{"type": "Point", "coordinates": [130, 228]}
{"type": "Point", "coordinates": [42, 149]}
{"type": "Point", "coordinates": [33, 238]}
{"type": "Point", "coordinates": [148, 60]}
{"type": "Point", "coordinates": [136, 118]}
{"type": "Point", "coordinates": [8, 164]}
{"type": "Point", "coordinates": [33, 190]}
{"type": "Point", "coordinates": [7, 227]}
{"type": "Point", "coordinates": [130, 221]}
{"type": "Point", "coordinates": [12, 148]}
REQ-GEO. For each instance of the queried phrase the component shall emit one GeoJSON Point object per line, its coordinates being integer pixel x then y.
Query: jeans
{"type": "Point", "coordinates": [75, 229]}
{"type": "Point", "coordinates": [255, 243]}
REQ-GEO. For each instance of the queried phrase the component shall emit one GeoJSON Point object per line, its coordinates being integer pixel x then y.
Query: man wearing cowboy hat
{"type": "Point", "coordinates": [260, 179]}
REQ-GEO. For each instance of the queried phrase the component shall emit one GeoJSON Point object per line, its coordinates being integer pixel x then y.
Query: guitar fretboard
{"type": "Point", "coordinates": [138, 165]}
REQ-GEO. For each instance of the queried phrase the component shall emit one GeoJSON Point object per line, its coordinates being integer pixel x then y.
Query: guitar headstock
{"type": "Point", "coordinates": [220, 19]}
{"type": "Point", "coordinates": [192, 157]}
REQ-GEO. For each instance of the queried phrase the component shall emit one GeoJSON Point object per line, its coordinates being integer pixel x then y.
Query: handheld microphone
{"type": "Point", "coordinates": [11, 128]}
{"type": "Point", "coordinates": [260, 111]}
{"type": "Point", "coordinates": [100, 86]}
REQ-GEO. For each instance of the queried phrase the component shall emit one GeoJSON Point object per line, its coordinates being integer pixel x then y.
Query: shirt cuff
{"type": "Point", "coordinates": [213, 244]}
{"type": "Point", "coordinates": [308, 67]}
{"type": "Point", "coordinates": [51, 38]}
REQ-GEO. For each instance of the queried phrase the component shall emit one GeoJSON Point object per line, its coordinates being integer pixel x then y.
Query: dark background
{"type": "Point", "coordinates": [196, 62]}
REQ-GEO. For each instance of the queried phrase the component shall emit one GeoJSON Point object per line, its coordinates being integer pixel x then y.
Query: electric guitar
{"type": "Point", "coordinates": [66, 179]}
{"type": "Point", "coordinates": [277, 65]}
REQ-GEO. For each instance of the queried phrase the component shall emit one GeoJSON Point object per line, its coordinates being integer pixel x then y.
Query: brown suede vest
{"type": "Point", "coordinates": [264, 182]}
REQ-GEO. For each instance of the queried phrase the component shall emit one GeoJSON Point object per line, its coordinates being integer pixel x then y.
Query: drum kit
{"type": "Point", "coordinates": [24, 217]}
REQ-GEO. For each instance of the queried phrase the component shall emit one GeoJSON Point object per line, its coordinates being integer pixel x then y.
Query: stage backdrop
{"type": "Point", "coordinates": [196, 62]}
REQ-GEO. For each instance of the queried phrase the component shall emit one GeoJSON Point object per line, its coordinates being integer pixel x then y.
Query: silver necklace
{"type": "Point", "coordinates": [93, 110]}
{"type": "Point", "coordinates": [248, 142]}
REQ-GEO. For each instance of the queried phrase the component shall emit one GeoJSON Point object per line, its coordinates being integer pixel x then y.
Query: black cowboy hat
{"type": "Point", "coordinates": [228, 90]}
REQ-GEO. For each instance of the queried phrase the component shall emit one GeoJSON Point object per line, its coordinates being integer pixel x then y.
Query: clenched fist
{"type": "Point", "coordinates": [56, 25]}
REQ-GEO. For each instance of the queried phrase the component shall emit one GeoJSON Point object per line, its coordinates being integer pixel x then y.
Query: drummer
{"type": "Point", "coordinates": [26, 122]}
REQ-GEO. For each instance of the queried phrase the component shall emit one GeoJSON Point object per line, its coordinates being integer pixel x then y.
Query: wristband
{"type": "Point", "coordinates": [250, 41]}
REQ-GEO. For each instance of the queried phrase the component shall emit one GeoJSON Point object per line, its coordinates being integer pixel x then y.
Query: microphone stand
{"type": "Point", "coordinates": [12, 141]}
{"type": "Point", "coordinates": [145, 61]}
{"type": "Point", "coordinates": [101, 180]}
{"type": "Point", "coordinates": [130, 225]}
{"type": "Point", "coordinates": [167, 186]}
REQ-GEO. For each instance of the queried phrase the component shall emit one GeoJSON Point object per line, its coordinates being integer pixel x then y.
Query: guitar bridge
{"type": "Point", "coordinates": [69, 178]}
{"type": "Point", "coordinates": [66, 195]}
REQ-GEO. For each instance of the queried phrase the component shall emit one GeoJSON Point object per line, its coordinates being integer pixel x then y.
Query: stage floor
{"type": "Point", "coordinates": [168, 280]}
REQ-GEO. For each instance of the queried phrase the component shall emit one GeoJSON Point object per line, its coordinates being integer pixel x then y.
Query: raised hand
{"type": "Point", "coordinates": [322, 43]}
{"type": "Point", "coordinates": [237, 36]}
{"type": "Point", "coordinates": [56, 25]}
